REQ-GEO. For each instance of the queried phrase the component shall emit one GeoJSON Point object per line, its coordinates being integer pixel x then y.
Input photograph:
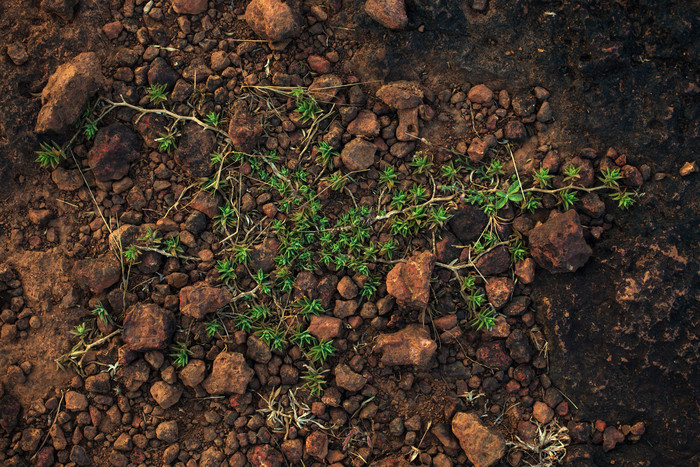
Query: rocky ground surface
{"type": "Point", "coordinates": [585, 341]}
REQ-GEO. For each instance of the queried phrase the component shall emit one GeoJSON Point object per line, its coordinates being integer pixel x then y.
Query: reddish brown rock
{"type": "Point", "coordinates": [275, 20]}
{"type": "Point", "coordinates": [493, 262]}
{"type": "Point", "coordinates": [558, 244]}
{"type": "Point", "coordinates": [407, 130]}
{"type": "Point", "coordinates": [365, 124]}
{"type": "Point", "coordinates": [65, 9]}
{"type": "Point", "coordinates": [317, 445]}
{"type": "Point", "coordinates": [189, 7]}
{"type": "Point", "coordinates": [150, 127]}
{"type": "Point", "coordinates": [148, 327]}
{"type": "Point", "coordinates": [358, 154]}
{"type": "Point", "coordinates": [467, 223]}
{"type": "Point", "coordinates": [98, 274]}
{"type": "Point", "coordinates": [193, 373]}
{"type": "Point", "coordinates": [206, 203]}
{"type": "Point", "coordinates": [611, 437]}
{"type": "Point", "coordinates": [409, 282]}
{"type": "Point", "coordinates": [230, 375]}
{"type": "Point", "coordinates": [264, 455]}
{"type": "Point", "coordinates": [200, 300]}
{"type": "Point", "coordinates": [166, 395]}
{"type": "Point", "coordinates": [319, 64]}
{"type": "Point", "coordinates": [483, 446]}
{"type": "Point", "coordinates": [480, 94]}
{"type": "Point", "coordinates": [525, 270]}
{"type": "Point", "coordinates": [9, 413]}
{"type": "Point", "coordinates": [347, 379]}
{"type": "Point", "coordinates": [515, 131]}
{"type": "Point", "coordinates": [244, 129]}
{"type": "Point", "coordinates": [67, 180]}
{"type": "Point", "coordinates": [293, 450]}
{"type": "Point", "coordinates": [194, 150]}
{"type": "Point", "coordinates": [631, 176]}
{"type": "Point", "coordinates": [401, 95]}
{"type": "Point", "coordinates": [480, 146]}
{"type": "Point", "coordinates": [410, 346]}
{"type": "Point", "coordinates": [115, 148]}
{"type": "Point", "coordinates": [494, 355]}
{"type": "Point", "coordinates": [262, 257]}
{"type": "Point", "coordinates": [325, 327]}
{"type": "Point", "coordinates": [389, 13]}
{"type": "Point", "coordinates": [519, 346]}
{"type": "Point", "coordinates": [498, 290]}
{"type": "Point", "coordinates": [67, 91]}
{"type": "Point", "coordinates": [324, 88]}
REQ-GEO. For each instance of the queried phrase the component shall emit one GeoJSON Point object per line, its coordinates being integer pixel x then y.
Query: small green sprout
{"type": "Point", "coordinates": [151, 238]}
{"type": "Point", "coordinates": [369, 290]}
{"type": "Point", "coordinates": [624, 199]}
{"type": "Point", "coordinates": [449, 171]}
{"type": "Point", "coordinates": [484, 319]}
{"type": "Point", "coordinates": [90, 129]}
{"type": "Point", "coordinates": [213, 327]}
{"type": "Point", "coordinates": [226, 217]}
{"type": "Point", "coordinates": [102, 314]}
{"type": "Point", "coordinates": [166, 142]}
{"type": "Point", "coordinates": [421, 163]}
{"type": "Point", "coordinates": [50, 155]}
{"type": "Point", "coordinates": [181, 354]}
{"type": "Point", "coordinates": [157, 93]}
{"type": "Point", "coordinates": [326, 153]}
{"type": "Point", "coordinates": [81, 331]}
{"type": "Point", "coordinates": [302, 338]}
{"type": "Point", "coordinates": [212, 119]}
{"type": "Point", "coordinates": [314, 380]}
{"type": "Point", "coordinates": [610, 177]}
{"type": "Point", "coordinates": [568, 198]}
{"type": "Point", "coordinates": [241, 254]}
{"type": "Point", "coordinates": [243, 322]}
{"type": "Point", "coordinates": [226, 269]}
{"type": "Point", "coordinates": [308, 307]}
{"type": "Point", "coordinates": [131, 255]}
{"type": "Point", "coordinates": [513, 194]}
{"type": "Point", "coordinates": [320, 351]}
{"type": "Point", "coordinates": [542, 177]}
{"type": "Point", "coordinates": [517, 251]}
{"type": "Point", "coordinates": [172, 246]}
{"type": "Point", "coordinates": [572, 173]}
{"type": "Point", "coordinates": [388, 177]}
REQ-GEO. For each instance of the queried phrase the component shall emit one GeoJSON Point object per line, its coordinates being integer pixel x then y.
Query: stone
{"type": "Point", "coordinates": [264, 455]}
{"type": "Point", "coordinates": [275, 20]}
{"type": "Point", "coordinates": [480, 94]}
{"type": "Point", "coordinates": [194, 150]}
{"type": "Point", "coordinates": [17, 53]}
{"type": "Point", "coordinates": [325, 327]}
{"type": "Point", "coordinates": [366, 124]}
{"type": "Point", "coordinates": [67, 92]}
{"type": "Point", "coordinates": [409, 282]}
{"type": "Point", "coordinates": [244, 128]}
{"type": "Point", "coordinates": [293, 450]}
{"type": "Point", "coordinates": [345, 308]}
{"type": "Point", "coordinates": [494, 355]}
{"type": "Point", "coordinates": [263, 255]}
{"type": "Point", "coordinates": [133, 375]}
{"type": "Point", "coordinates": [200, 300]}
{"type": "Point", "coordinates": [401, 95]}
{"type": "Point", "coordinates": [79, 456]}
{"type": "Point", "coordinates": [193, 373]}
{"type": "Point", "coordinates": [347, 379]}
{"type": "Point", "coordinates": [525, 270]}
{"type": "Point", "coordinates": [115, 148]}
{"type": "Point", "coordinates": [65, 9]}
{"type": "Point", "coordinates": [168, 431]}
{"type": "Point", "coordinates": [189, 7]}
{"type": "Point", "coordinates": [98, 274]}
{"type": "Point", "coordinates": [230, 375]}
{"type": "Point", "coordinates": [410, 346]}
{"type": "Point", "coordinates": [67, 180]}
{"type": "Point", "coordinates": [257, 350]}
{"type": "Point", "coordinates": [9, 413]}
{"type": "Point", "coordinates": [493, 262]}
{"type": "Point", "coordinates": [211, 457]}
{"type": "Point", "coordinates": [206, 203]}
{"type": "Point", "coordinates": [99, 383]}
{"type": "Point", "coordinates": [75, 401]}
{"type": "Point", "coordinates": [515, 131]}
{"type": "Point", "coordinates": [389, 13]}
{"type": "Point", "coordinates": [480, 146]}
{"type": "Point", "coordinates": [358, 154]}
{"type": "Point", "coordinates": [408, 129]}
{"type": "Point", "coordinates": [161, 73]}
{"type": "Point", "coordinates": [467, 223]}
{"type": "Point", "coordinates": [558, 244]}
{"type": "Point", "coordinates": [498, 290]}
{"type": "Point", "coordinates": [324, 88]}
{"type": "Point", "coordinates": [519, 346]}
{"type": "Point", "coordinates": [611, 437]}
{"type": "Point", "coordinates": [542, 412]}
{"type": "Point", "coordinates": [148, 327]}
{"type": "Point", "coordinates": [483, 446]}
{"type": "Point", "coordinates": [166, 395]}
{"type": "Point", "coordinates": [317, 445]}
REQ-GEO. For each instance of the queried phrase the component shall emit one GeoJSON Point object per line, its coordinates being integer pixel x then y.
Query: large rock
{"type": "Point", "coordinates": [348, 379]}
{"type": "Point", "coordinates": [389, 13]}
{"type": "Point", "coordinates": [200, 300]}
{"type": "Point", "coordinates": [264, 455]}
{"type": "Point", "coordinates": [410, 346]}
{"type": "Point", "coordinates": [115, 148]}
{"type": "Point", "coordinates": [558, 244]}
{"type": "Point", "coordinates": [358, 154]}
{"type": "Point", "coordinates": [244, 129]}
{"type": "Point", "coordinates": [230, 375]}
{"type": "Point", "coordinates": [194, 150]}
{"type": "Point", "coordinates": [190, 7]}
{"type": "Point", "coordinates": [484, 447]}
{"type": "Point", "coordinates": [148, 327]}
{"type": "Point", "coordinates": [67, 92]}
{"type": "Point", "coordinates": [98, 274]}
{"type": "Point", "coordinates": [65, 9]}
{"type": "Point", "coordinates": [409, 282]}
{"type": "Point", "coordinates": [401, 95]}
{"type": "Point", "coordinates": [275, 20]}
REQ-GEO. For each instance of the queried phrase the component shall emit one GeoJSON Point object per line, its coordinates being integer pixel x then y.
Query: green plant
{"type": "Point", "coordinates": [484, 319]}
{"type": "Point", "coordinates": [263, 281]}
{"type": "Point", "coordinates": [243, 322]}
{"type": "Point", "coordinates": [438, 217]}
{"type": "Point", "coordinates": [568, 198]}
{"type": "Point", "coordinates": [302, 338]}
{"type": "Point", "coordinates": [241, 254]}
{"type": "Point", "coordinates": [624, 199]}
{"type": "Point", "coordinates": [388, 248]}
{"type": "Point", "coordinates": [321, 350]}
{"type": "Point", "coordinates": [326, 153]}
{"type": "Point", "coordinates": [542, 177]}
{"type": "Point", "coordinates": [388, 177]}
{"type": "Point", "coordinates": [181, 354]}
{"type": "Point", "coordinates": [102, 314]}
{"type": "Point", "coordinates": [166, 141]}
{"type": "Point", "coordinates": [212, 119]}
{"type": "Point", "coordinates": [517, 250]}
{"type": "Point", "coordinates": [369, 289]}
{"type": "Point", "coordinates": [213, 327]}
{"type": "Point", "coordinates": [336, 181]}
{"type": "Point", "coordinates": [131, 255]}
{"type": "Point", "coordinates": [307, 307]}
{"type": "Point", "coordinates": [306, 105]}
{"type": "Point", "coordinates": [399, 200]}
{"type": "Point", "coordinates": [421, 163]}
{"type": "Point", "coordinates": [449, 171]}
{"type": "Point", "coordinates": [475, 300]}
{"type": "Point", "coordinates": [418, 193]}
{"type": "Point", "coordinates": [259, 312]}
{"type": "Point", "coordinates": [90, 128]}
{"type": "Point", "coordinates": [572, 173]}
{"type": "Point", "coordinates": [226, 217]}
{"type": "Point", "coordinates": [172, 246]}
{"type": "Point", "coordinates": [50, 155]}
{"type": "Point", "coordinates": [610, 177]}
{"type": "Point", "coordinates": [495, 168]}
{"type": "Point", "coordinates": [512, 193]}
{"type": "Point", "coordinates": [273, 337]}
{"type": "Point", "coordinates": [151, 238]}
{"type": "Point", "coordinates": [226, 269]}
{"type": "Point", "coordinates": [157, 93]}
{"type": "Point", "coordinates": [314, 380]}
{"type": "Point", "coordinates": [81, 331]}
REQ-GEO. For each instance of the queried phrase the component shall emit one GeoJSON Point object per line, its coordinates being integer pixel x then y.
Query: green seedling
{"type": "Point", "coordinates": [326, 153]}
{"type": "Point", "coordinates": [308, 307]}
{"type": "Point", "coordinates": [226, 269]}
{"type": "Point", "coordinates": [568, 198]}
{"type": "Point", "coordinates": [388, 177]}
{"type": "Point", "coordinates": [166, 142]}
{"type": "Point", "coordinates": [181, 354]}
{"type": "Point", "coordinates": [213, 327]}
{"type": "Point", "coordinates": [50, 155]}
{"type": "Point", "coordinates": [90, 129]}
{"type": "Point", "coordinates": [321, 350]}
{"type": "Point", "coordinates": [131, 255]}
{"type": "Point", "coordinates": [157, 93]}
{"type": "Point", "coordinates": [572, 173]}
{"type": "Point", "coordinates": [484, 319]}
{"type": "Point", "coordinates": [226, 217]}
{"type": "Point", "coordinates": [172, 246]}
{"type": "Point", "coordinates": [542, 177]}
{"type": "Point", "coordinates": [212, 119]}
{"type": "Point", "coordinates": [102, 314]}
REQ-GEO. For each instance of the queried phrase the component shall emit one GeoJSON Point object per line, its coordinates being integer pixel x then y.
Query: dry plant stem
{"type": "Point", "coordinates": [53, 422]}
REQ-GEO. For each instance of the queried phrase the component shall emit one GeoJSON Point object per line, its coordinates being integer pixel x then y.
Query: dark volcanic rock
{"type": "Point", "coordinates": [194, 150]}
{"type": "Point", "coordinates": [115, 148]}
{"type": "Point", "coordinates": [558, 244]}
{"type": "Point", "coordinates": [467, 223]}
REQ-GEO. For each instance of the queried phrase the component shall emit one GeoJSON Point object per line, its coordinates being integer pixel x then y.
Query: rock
{"type": "Point", "coordinates": [150, 127]}
{"type": "Point", "coordinates": [558, 244]}
{"type": "Point", "coordinates": [115, 148]}
{"type": "Point", "coordinates": [79, 456]}
{"type": "Point", "coordinates": [515, 131]}
{"type": "Point", "coordinates": [193, 373]}
{"type": "Point", "coordinates": [325, 327]}
{"type": "Point", "coordinates": [31, 437]}
{"type": "Point", "coordinates": [257, 350]}
{"type": "Point", "coordinates": [168, 431]}
{"type": "Point", "coordinates": [211, 457]}
{"type": "Point", "coordinates": [9, 413]}
{"type": "Point", "coordinates": [525, 270]}
{"type": "Point", "coordinates": [133, 375]}
{"type": "Point", "coordinates": [40, 217]}
{"type": "Point", "coordinates": [480, 146]}
{"type": "Point", "coordinates": [365, 124]}
{"type": "Point", "coordinates": [519, 346]}
{"type": "Point", "coordinates": [467, 223]}
{"type": "Point", "coordinates": [99, 383]}
{"type": "Point", "coordinates": [275, 20]}
{"type": "Point", "coordinates": [401, 95]}
{"type": "Point", "coordinates": [410, 346]}
{"type": "Point", "coordinates": [17, 53]}
{"type": "Point", "coordinates": [483, 446]}
{"type": "Point", "coordinates": [98, 274]}
{"type": "Point", "coordinates": [161, 73]}
{"type": "Point", "coordinates": [347, 288]}
{"type": "Point", "coordinates": [194, 150]}
{"type": "Point", "coordinates": [293, 450]}
{"type": "Point", "coordinates": [230, 375]}
{"type": "Point", "coordinates": [498, 290]}
{"type": "Point", "coordinates": [480, 94]}
{"type": "Point", "coordinates": [494, 262]}
{"type": "Point", "coordinates": [347, 379]}
{"type": "Point", "coordinates": [189, 7]}
{"type": "Point", "coordinates": [75, 401]}
{"type": "Point", "coordinates": [358, 154]}
{"type": "Point", "coordinates": [317, 445]}
{"type": "Point", "coordinates": [67, 180]}
{"type": "Point", "coordinates": [319, 64]}
{"type": "Point", "coordinates": [244, 128]}
{"type": "Point", "coordinates": [148, 327]}
{"type": "Point", "coordinates": [166, 395]}
{"type": "Point", "coordinates": [408, 128]}
{"type": "Point", "coordinates": [344, 309]}
{"type": "Point", "coordinates": [67, 92]}
{"type": "Point", "coordinates": [493, 355]}
{"type": "Point", "coordinates": [200, 300]}
{"type": "Point", "coordinates": [324, 88]}
{"type": "Point", "coordinates": [264, 455]}
{"type": "Point", "coordinates": [542, 412]}
{"type": "Point", "coordinates": [45, 457]}
{"type": "Point", "coordinates": [262, 257]}
{"type": "Point", "coordinates": [123, 443]}
{"type": "Point", "coordinates": [65, 9]}
{"type": "Point", "coordinates": [611, 436]}
{"type": "Point", "coordinates": [524, 104]}
{"type": "Point", "coordinates": [389, 13]}
{"type": "Point", "coordinates": [206, 203]}
{"type": "Point", "coordinates": [689, 168]}
{"type": "Point", "coordinates": [409, 282]}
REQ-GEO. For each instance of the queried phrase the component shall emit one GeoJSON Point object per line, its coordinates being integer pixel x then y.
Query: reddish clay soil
{"type": "Point", "coordinates": [461, 345]}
